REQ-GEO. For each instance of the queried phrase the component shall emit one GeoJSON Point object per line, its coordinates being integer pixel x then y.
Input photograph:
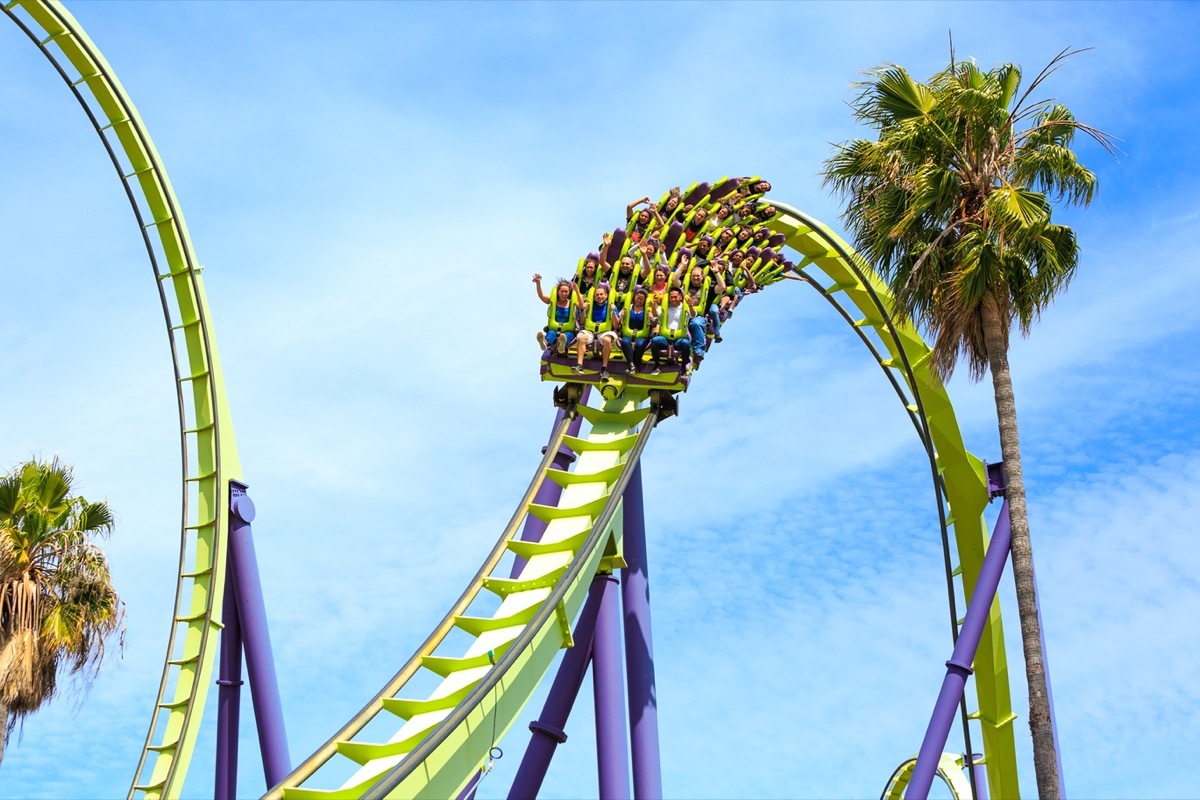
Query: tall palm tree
{"type": "Point", "coordinates": [951, 204]}
{"type": "Point", "coordinates": [57, 604]}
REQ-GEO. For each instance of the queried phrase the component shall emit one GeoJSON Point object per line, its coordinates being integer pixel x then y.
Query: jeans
{"type": "Point", "coordinates": [698, 334]}
{"type": "Point", "coordinates": [634, 349]}
{"type": "Point", "coordinates": [658, 346]}
{"type": "Point", "coordinates": [714, 316]}
{"type": "Point", "coordinates": [552, 336]}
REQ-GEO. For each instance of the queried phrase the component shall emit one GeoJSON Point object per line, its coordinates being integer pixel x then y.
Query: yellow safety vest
{"type": "Point", "coordinates": [589, 323]}
{"type": "Point", "coordinates": [641, 332]}
{"type": "Point", "coordinates": [552, 323]}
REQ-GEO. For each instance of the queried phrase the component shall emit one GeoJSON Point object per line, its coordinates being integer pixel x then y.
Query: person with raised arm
{"type": "Point", "coordinates": [644, 223]}
{"type": "Point", "coordinates": [626, 275]}
{"type": "Point", "coordinates": [562, 315]}
{"type": "Point", "coordinates": [671, 204]}
{"type": "Point", "coordinates": [738, 280]}
{"type": "Point", "coordinates": [701, 287]}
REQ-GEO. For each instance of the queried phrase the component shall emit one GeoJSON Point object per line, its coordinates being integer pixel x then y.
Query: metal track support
{"type": "Point", "coordinates": [246, 614]}
{"type": "Point", "coordinates": [958, 668]}
{"type": "Point", "coordinates": [548, 729]}
{"type": "Point", "coordinates": [639, 648]}
{"type": "Point", "coordinates": [612, 745]}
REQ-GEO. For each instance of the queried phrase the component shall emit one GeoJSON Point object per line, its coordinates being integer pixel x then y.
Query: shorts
{"type": "Point", "coordinates": [586, 337]}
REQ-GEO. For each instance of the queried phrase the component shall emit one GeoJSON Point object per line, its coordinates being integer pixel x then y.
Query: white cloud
{"type": "Point", "coordinates": [791, 507]}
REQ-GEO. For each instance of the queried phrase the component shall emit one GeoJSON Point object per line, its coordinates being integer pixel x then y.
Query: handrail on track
{"type": "Point", "coordinates": [413, 760]}
{"type": "Point", "coordinates": [309, 766]}
{"type": "Point", "coordinates": [203, 368]}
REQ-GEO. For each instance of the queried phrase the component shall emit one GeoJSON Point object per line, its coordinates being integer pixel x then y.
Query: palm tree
{"type": "Point", "coordinates": [57, 604]}
{"type": "Point", "coordinates": [952, 206]}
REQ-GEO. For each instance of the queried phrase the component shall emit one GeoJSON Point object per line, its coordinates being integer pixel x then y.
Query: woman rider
{"type": "Point", "coordinates": [723, 240]}
{"type": "Point", "coordinates": [586, 276]}
{"type": "Point", "coordinates": [644, 223]}
{"type": "Point", "coordinates": [668, 206]}
{"type": "Point", "coordinates": [599, 318]}
{"type": "Point", "coordinates": [637, 324]}
{"type": "Point", "coordinates": [658, 289]}
{"type": "Point", "coordinates": [561, 316]}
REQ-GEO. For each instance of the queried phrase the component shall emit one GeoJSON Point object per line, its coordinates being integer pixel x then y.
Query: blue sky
{"type": "Point", "coordinates": [370, 186]}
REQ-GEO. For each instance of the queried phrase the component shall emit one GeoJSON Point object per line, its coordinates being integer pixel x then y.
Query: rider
{"type": "Point", "coordinates": [642, 224]}
{"type": "Point", "coordinates": [561, 316]}
{"type": "Point", "coordinates": [599, 318]}
{"type": "Point", "coordinates": [672, 329]}
{"type": "Point", "coordinates": [702, 286]}
{"type": "Point", "coordinates": [637, 323]}
{"type": "Point", "coordinates": [586, 277]}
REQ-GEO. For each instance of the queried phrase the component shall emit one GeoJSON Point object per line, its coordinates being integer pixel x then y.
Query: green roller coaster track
{"type": "Point", "coordinates": [442, 737]}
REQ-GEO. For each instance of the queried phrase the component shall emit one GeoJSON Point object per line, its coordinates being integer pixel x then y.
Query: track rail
{"type": "Point", "coordinates": [439, 755]}
{"type": "Point", "coordinates": [209, 454]}
{"type": "Point", "coordinates": [950, 770]}
{"type": "Point", "coordinates": [442, 739]}
{"type": "Point", "coordinates": [863, 301]}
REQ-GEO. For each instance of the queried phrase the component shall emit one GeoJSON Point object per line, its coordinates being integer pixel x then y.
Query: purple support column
{"type": "Point", "coordinates": [639, 649]}
{"type": "Point", "coordinates": [229, 697]}
{"type": "Point", "coordinates": [252, 616]}
{"type": "Point", "coordinates": [548, 731]}
{"type": "Point", "coordinates": [959, 665]}
{"type": "Point", "coordinates": [612, 748]}
{"type": "Point", "coordinates": [549, 492]}
{"type": "Point", "coordinates": [979, 773]}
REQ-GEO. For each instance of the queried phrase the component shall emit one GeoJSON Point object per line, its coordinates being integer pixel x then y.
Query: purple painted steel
{"type": "Point", "coordinates": [639, 648]}
{"type": "Point", "coordinates": [612, 747]}
{"type": "Point", "coordinates": [979, 774]}
{"type": "Point", "coordinates": [229, 697]}
{"type": "Point", "coordinates": [549, 492]}
{"type": "Point", "coordinates": [548, 729]}
{"type": "Point", "coordinates": [959, 665]}
{"type": "Point", "coordinates": [468, 792]}
{"type": "Point", "coordinates": [256, 639]}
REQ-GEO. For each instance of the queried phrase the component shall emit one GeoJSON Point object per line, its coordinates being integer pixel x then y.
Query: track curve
{"type": "Point", "coordinates": [512, 649]}
{"type": "Point", "coordinates": [430, 763]}
{"type": "Point", "coordinates": [209, 453]}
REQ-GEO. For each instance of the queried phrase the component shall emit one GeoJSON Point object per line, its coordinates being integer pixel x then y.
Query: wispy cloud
{"type": "Point", "coordinates": [329, 162]}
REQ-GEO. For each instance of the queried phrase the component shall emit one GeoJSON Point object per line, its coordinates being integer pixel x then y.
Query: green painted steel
{"type": "Point", "coordinates": [210, 458]}
{"type": "Point", "coordinates": [442, 738]}
{"type": "Point", "coordinates": [962, 475]}
{"type": "Point", "coordinates": [950, 770]}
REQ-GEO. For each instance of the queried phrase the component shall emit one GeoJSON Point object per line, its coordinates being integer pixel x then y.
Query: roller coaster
{"type": "Point", "coordinates": [550, 580]}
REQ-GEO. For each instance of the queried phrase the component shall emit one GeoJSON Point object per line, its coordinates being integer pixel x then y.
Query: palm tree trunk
{"type": "Point", "coordinates": [1045, 757]}
{"type": "Point", "coordinates": [3, 730]}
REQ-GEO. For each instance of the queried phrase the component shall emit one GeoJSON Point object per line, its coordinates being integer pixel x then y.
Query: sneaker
{"type": "Point", "coordinates": [696, 360]}
{"type": "Point", "coordinates": [542, 340]}
{"type": "Point", "coordinates": [718, 338]}
{"type": "Point", "coordinates": [603, 374]}
{"type": "Point", "coordinates": [657, 370]}
{"type": "Point", "coordinates": [560, 344]}
{"type": "Point", "coordinates": [577, 369]}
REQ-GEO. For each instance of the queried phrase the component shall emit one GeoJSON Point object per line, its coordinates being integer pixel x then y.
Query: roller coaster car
{"type": "Point", "coordinates": [560, 369]}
